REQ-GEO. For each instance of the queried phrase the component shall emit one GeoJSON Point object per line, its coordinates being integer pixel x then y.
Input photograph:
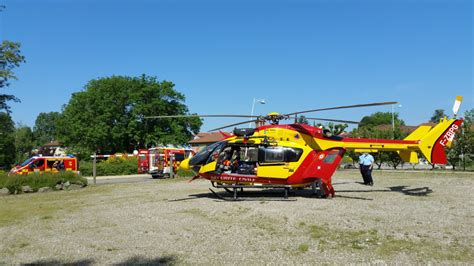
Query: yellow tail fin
{"type": "Point", "coordinates": [433, 142]}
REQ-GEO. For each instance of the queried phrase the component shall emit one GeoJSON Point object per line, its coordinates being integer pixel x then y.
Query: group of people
{"type": "Point", "coordinates": [229, 159]}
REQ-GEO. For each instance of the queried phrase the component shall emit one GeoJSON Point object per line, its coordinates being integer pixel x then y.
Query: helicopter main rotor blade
{"type": "Point", "coordinates": [328, 119]}
{"type": "Point", "coordinates": [236, 124]}
{"type": "Point", "coordinates": [343, 107]}
{"type": "Point", "coordinates": [333, 120]}
{"type": "Point", "coordinates": [186, 116]}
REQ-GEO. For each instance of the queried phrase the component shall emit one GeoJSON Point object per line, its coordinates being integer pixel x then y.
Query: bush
{"type": "Point", "coordinates": [111, 166]}
{"type": "Point", "coordinates": [36, 181]}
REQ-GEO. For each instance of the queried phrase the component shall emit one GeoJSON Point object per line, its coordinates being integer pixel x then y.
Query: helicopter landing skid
{"type": "Point", "coordinates": [236, 198]}
{"type": "Point", "coordinates": [233, 189]}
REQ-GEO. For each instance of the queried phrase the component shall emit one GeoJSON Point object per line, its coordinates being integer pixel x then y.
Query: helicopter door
{"type": "Point", "coordinates": [278, 162]}
{"type": "Point", "coordinates": [272, 163]}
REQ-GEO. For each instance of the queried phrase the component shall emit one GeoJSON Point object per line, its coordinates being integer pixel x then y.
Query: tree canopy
{"type": "Point", "coordinates": [24, 142]}
{"type": "Point", "coordinates": [109, 115]}
{"type": "Point", "coordinates": [45, 127]}
{"type": "Point", "coordinates": [334, 128]}
{"type": "Point", "coordinates": [10, 58]}
{"type": "Point", "coordinates": [302, 120]}
{"type": "Point", "coordinates": [462, 149]}
{"type": "Point", "coordinates": [7, 140]}
{"type": "Point", "coordinates": [368, 129]}
{"type": "Point", "coordinates": [381, 118]}
{"type": "Point", "coordinates": [437, 115]}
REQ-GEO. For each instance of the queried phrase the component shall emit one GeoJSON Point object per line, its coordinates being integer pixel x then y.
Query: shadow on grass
{"type": "Point", "coordinates": [193, 197]}
{"type": "Point", "coordinates": [136, 260]}
{"type": "Point", "coordinates": [263, 195]}
{"type": "Point", "coordinates": [84, 262]}
{"type": "Point", "coordinates": [273, 194]}
{"type": "Point", "coordinates": [421, 191]}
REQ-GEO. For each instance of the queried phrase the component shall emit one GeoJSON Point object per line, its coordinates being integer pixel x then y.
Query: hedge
{"type": "Point", "coordinates": [36, 181]}
{"type": "Point", "coordinates": [111, 166]}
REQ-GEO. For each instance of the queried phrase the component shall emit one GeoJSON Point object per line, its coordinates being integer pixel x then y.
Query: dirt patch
{"type": "Point", "coordinates": [407, 217]}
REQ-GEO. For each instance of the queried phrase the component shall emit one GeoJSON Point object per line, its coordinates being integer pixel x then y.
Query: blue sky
{"type": "Point", "coordinates": [297, 55]}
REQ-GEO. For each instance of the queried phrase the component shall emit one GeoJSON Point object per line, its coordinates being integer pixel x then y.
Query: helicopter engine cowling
{"type": "Point", "coordinates": [244, 132]}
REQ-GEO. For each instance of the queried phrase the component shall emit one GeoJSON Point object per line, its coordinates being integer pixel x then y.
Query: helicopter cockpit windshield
{"type": "Point", "coordinates": [202, 156]}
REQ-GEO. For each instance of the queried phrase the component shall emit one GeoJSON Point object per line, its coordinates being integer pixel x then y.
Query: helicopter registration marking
{"type": "Point", "coordinates": [233, 178]}
{"type": "Point", "coordinates": [449, 136]}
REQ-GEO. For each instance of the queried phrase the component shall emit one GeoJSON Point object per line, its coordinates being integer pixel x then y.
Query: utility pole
{"type": "Point", "coordinates": [94, 168]}
{"type": "Point", "coordinates": [261, 101]}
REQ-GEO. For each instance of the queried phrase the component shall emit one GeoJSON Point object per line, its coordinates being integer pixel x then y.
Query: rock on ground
{"type": "Point", "coordinates": [26, 189]}
{"type": "Point", "coordinates": [45, 189]}
{"type": "Point", "coordinates": [4, 191]}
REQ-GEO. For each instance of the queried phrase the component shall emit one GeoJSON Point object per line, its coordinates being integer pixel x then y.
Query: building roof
{"type": "Point", "coordinates": [210, 137]}
{"type": "Point", "coordinates": [53, 143]}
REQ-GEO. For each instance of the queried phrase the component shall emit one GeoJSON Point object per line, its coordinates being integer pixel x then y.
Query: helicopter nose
{"type": "Point", "coordinates": [184, 165]}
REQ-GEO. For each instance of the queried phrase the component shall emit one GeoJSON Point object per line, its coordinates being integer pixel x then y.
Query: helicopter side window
{"type": "Point", "coordinates": [293, 154]}
{"type": "Point", "coordinates": [279, 154]}
{"type": "Point", "coordinates": [272, 155]}
{"type": "Point", "coordinates": [330, 157]}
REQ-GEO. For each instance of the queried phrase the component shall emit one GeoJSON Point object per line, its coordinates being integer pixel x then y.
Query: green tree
{"type": "Point", "coordinates": [45, 127]}
{"type": "Point", "coordinates": [10, 58]}
{"type": "Point", "coordinates": [437, 115]}
{"type": "Point", "coordinates": [337, 129]}
{"type": "Point", "coordinates": [109, 116]}
{"type": "Point", "coordinates": [7, 141]}
{"type": "Point", "coordinates": [462, 148]}
{"type": "Point", "coordinates": [24, 143]}
{"type": "Point", "coordinates": [368, 129]}
{"type": "Point", "coordinates": [302, 120]}
{"type": "Point", "coordinates": [381, 118]}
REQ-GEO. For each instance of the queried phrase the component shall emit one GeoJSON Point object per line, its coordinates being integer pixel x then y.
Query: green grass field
{"type": "Point", "coordinates": [406, 218]}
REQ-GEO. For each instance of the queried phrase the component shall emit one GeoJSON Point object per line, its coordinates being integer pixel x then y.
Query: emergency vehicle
{"type": "Point", "coordinates": [157, 161]}
{"type": "Point", "coordinates": [45, 164]}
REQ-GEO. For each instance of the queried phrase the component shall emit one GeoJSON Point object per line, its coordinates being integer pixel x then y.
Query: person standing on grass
{"type": "Point", "coordinates": [366, 164]}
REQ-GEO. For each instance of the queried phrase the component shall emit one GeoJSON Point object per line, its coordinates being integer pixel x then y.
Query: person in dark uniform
{"type": "Point", "coordinates": [366, 164]}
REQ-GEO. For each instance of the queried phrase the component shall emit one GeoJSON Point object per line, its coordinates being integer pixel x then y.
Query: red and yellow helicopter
{"type": "Point", "coordinates": [297, 155]}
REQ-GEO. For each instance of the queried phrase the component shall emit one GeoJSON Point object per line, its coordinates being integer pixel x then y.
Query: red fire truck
{"type": "Point", "coordinates": [45, 164]}
{"type": "Point", "coordinates": [157, 161]}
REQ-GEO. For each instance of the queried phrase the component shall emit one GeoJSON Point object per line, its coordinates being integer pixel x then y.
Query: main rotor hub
{"type": "Point", "coordinates": [274, 118]}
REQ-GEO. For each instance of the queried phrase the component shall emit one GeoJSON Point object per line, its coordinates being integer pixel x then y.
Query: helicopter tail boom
{"type": "Point", "coordinates": [428, 140]}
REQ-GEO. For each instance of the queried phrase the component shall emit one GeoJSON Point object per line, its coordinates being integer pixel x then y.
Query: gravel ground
{"type": "Point", "coordinates": [404, 218]}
